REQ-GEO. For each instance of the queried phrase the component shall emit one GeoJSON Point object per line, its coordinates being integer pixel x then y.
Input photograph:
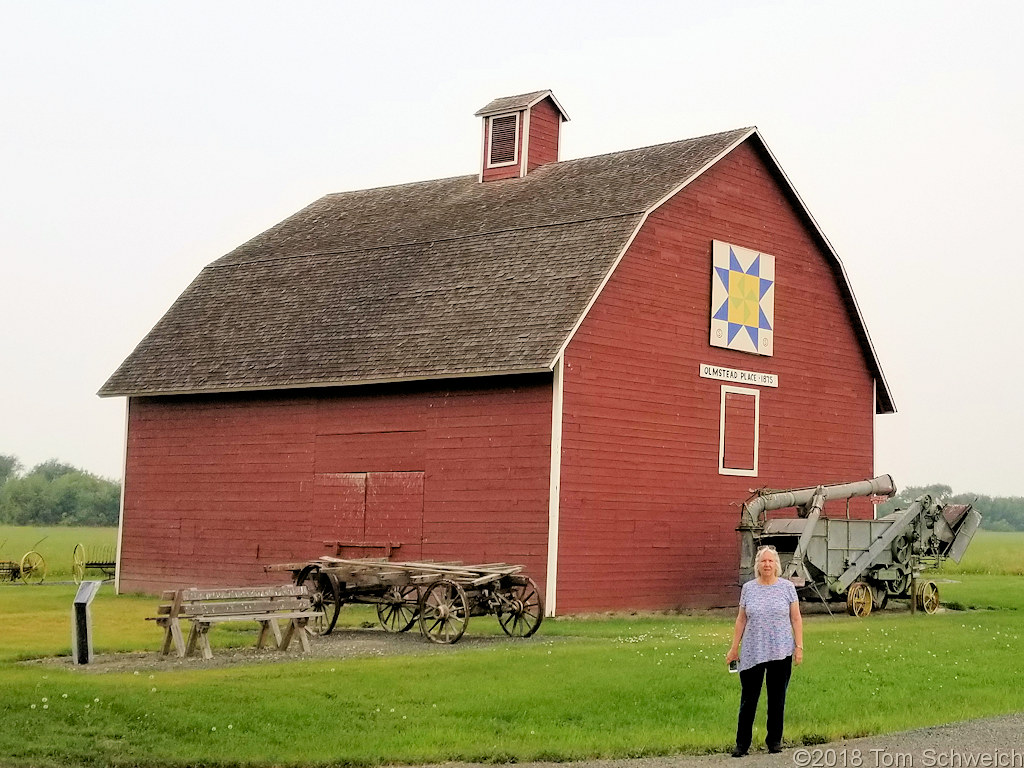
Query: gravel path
{"type": "Point", "coordinates": [996, 742]}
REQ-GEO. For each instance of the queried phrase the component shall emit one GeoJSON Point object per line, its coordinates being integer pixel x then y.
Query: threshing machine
{"type": "Point", "coordinates": [864, 561]}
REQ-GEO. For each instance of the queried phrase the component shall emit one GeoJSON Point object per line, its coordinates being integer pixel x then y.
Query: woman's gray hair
{"type": "Point", "coordinates": [764, 552]}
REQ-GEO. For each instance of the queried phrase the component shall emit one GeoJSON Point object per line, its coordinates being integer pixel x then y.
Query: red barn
{"type": "Point", "coordinates": [582, 366]}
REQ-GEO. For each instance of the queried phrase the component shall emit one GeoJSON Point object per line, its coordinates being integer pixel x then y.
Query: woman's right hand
{"type": "Point", "coordinates": [732, 655]}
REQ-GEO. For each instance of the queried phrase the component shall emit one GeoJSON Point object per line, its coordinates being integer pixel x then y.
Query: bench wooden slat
{"type": "Point", "coordinates": [216, 619]}
{"type": "Point", "coordinates": [281, 590]}
{"type": "Point", "coordinates": [245, 607]}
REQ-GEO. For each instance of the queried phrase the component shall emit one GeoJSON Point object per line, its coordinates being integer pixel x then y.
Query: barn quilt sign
{"type": "Point", "coordinates": [742, 299]}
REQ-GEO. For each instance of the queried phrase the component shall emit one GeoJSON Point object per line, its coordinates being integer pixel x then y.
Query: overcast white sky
{"type": "Point", "coordinates": [140, 141]}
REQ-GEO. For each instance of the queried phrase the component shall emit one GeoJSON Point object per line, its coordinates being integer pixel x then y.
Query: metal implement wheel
{"type": "Point", "coordinates": [324, 591]}
{"type": "Point", "coordinates": [444, 612]}
{"type": "Point", "coordinates": [900, 585]}
{"type": "Point", "coordinates": [900, 548]}
{"type": "Point", "coordinates": [398, 608]}
{"type": "Point", "coordinates": [78, 563]}
{"type": "Point", "coordinates": [33, 568]}
{"type": "Point", "coordinates": [521, 609]}
{"type": "Point", "coordinates": [858, 599]}
{"type": "Point", "coordinates": [927, 597]}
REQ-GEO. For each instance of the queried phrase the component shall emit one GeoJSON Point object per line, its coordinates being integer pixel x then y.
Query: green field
{"type": "Point", "coordinates": [991, 553]}
{"type": "Point", "coordinates": [612, 687]}
{"type": "Point", "coordinates": [55, 544]}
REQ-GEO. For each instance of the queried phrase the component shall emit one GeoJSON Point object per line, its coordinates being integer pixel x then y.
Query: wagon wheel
{"type": "Point", "coordinates": [858, 599]}
{"type": "Point", "coordinates": [78, 563]}
{"type": "Point", "coordinates": [927, 597]}
{"type": "Point", "coordinates": [521, 609]}
{"type": "Point", "coordinates": [444, 612]}
{"type": "Point", "coordinates": [324, 591]}
{"type": "Point", "coordinates": [398, 608]}
{"type": "Point", "coordinates": [33, 568]}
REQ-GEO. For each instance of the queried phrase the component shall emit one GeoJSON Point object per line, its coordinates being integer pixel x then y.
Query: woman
{"type": "Point", "coordinates": [772, 634]}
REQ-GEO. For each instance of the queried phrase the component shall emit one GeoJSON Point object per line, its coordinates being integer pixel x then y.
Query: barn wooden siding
{"type": "Point", "coordinates": [218, 486]}
{"type": "Point", "coordinates": [646, 519]}
{"type": "Point", "coordinates": [545, 122]}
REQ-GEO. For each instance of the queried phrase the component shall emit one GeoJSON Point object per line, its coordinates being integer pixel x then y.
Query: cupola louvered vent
{"type": "Point", "coordinates": [503, 139]}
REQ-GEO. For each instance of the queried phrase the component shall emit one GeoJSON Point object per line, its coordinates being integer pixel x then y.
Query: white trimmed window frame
{"type": "Point", "coordinates": [490, 140]}
{"type": "Point", "coordinates": [756, 393]}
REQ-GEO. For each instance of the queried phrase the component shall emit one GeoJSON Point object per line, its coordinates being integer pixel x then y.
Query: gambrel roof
{"type": "Point", "coordinates": [433, 279]}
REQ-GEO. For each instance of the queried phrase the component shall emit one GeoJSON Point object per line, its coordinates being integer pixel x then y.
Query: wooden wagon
{"type": "Point", "coordinates": [31, 569]}
{"type": "Point", "coordinates": [441, 596]}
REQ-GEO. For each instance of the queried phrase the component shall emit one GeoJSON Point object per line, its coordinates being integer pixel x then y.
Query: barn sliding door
{"type": "Point", "coordinates": [371, 506]}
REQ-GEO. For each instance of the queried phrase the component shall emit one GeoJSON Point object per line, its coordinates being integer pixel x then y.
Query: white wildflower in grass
{"type": "Point", "coordinates": [230, 726]}
{"type": "Point", "coordinates": [46, 706]}
{"type": "Point", "coordinates": [96, 701]}
{"type": "Point", "coordinates": [45, 699]}
{"type": "Point", "coordinates": [63, 695]}
{"type": "Point", "coordinates": [152, 690]}
{"type": "Point", "coordinates": [214, 728]}
{"type": "Point", "coordinates": [33, 706]}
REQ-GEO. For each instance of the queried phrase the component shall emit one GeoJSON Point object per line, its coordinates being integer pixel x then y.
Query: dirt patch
{"type": "Point", "coordinates": [340, 644]}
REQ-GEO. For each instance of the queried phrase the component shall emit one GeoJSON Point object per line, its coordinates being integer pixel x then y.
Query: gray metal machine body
{"type": "Point", "coordinates": [823, 556]}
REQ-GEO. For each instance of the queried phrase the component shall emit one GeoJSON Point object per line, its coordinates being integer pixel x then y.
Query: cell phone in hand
{"type": "Point", "coordinates": [734, 666]}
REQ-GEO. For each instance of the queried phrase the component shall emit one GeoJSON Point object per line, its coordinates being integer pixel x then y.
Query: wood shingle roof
{"type": "Point", "coordinates": [426, 280]}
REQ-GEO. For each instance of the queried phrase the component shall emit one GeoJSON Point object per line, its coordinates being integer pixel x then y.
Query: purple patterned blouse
{"type": "Point", "coordinates": [768, 635]}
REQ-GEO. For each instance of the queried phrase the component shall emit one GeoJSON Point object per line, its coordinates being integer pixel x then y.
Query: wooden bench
{"type": "Point", "coordinates": [205, 607]}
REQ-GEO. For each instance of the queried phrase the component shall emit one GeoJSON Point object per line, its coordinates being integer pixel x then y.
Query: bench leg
{"type": "Point", "coordinates": [179, 641]}
{"type": "Point", "coordinates": [300, 625]}
{"type": "Point", "coordinates": [172, 634]}
{"type": "Point", "coordinates": [198, 635]}
{"type": "Point", "coordinates": [166, 625]}
{"type": "Point", "coordinates": [268, 625]}
{"type": "Point", "coordinates": [288, 633]}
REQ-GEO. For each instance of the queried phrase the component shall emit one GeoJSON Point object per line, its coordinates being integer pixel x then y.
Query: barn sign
{"type": "Point", "coordinates": [741, 377]}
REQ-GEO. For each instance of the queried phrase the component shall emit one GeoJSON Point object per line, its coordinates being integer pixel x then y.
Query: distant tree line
{"type": "Point", "coordinates": [998, 513]}
{"type": "Point", "coordinates": [54, 493]}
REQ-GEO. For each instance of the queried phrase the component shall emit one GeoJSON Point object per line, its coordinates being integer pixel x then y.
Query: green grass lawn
{"type": "Point", "coordinates": [991, 553]}
{"type": "Point", "coordinates": [610, 687]}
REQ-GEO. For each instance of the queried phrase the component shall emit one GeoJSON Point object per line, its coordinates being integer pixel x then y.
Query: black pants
{"type": "Point", "coordinates": [776, 675]}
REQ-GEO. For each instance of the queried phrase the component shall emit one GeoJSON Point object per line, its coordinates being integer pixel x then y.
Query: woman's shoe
{"type": "Point", "coordinates": [739, 752]}
{"type": "Point", "coordinates": [775, 748]}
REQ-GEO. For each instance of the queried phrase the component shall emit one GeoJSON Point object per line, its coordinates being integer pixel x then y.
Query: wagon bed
{"type": "Point", "coordinates": [440, 595]}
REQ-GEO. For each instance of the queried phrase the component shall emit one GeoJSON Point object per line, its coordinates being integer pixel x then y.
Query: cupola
{"type": "Point", "coordinates": [520, 133]}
